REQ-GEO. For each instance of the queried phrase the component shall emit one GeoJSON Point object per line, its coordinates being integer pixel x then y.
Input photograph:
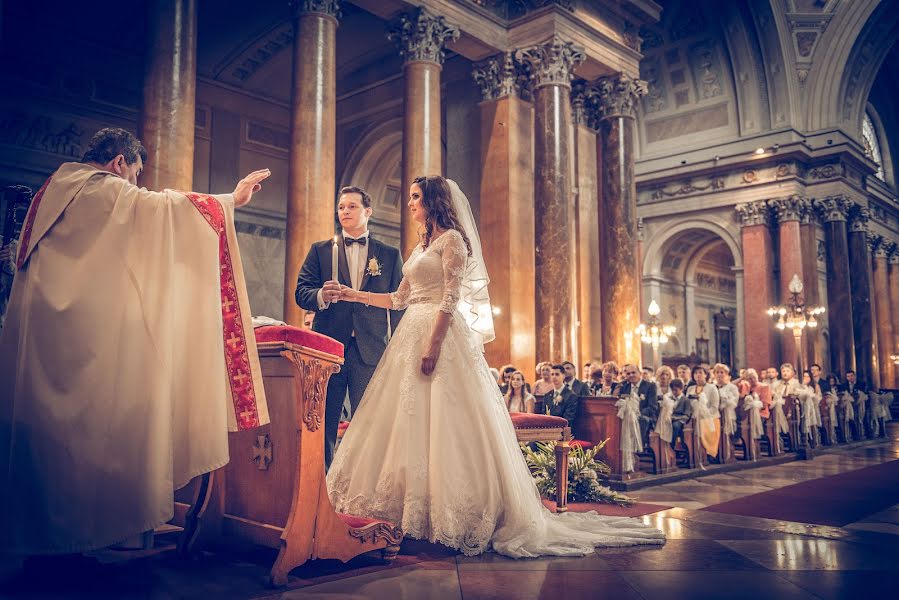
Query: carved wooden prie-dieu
{"type": "Point", "coordinates": [273, 490]}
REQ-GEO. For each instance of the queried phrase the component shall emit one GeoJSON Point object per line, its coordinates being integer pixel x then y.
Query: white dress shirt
{"type": "Point", "coordinates": [356, 257]}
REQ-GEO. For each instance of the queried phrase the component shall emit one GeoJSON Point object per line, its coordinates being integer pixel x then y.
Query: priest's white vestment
{"type": "Point", "coordinates": [127, 355]}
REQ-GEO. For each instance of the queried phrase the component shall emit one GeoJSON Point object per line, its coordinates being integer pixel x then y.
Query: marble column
{"type": "Point", "coordinates": [894, 303]}
{"type": "Point", "coordinates": [759, 286]}
{"type": "Point", "coordinates": [586, 247]}
{"type": "Point", "coordinates": [169, 106]}
{"type": "Point", "coordinates": [860, 279]}
{"type": "Point", "coordinates": [507, 146]}
{"type": "Point", "coordinates": [788, 211]}
{"type": "Point", "coordinates": [812, 349]}
{"type": "Point", "coordinates": [739, 358]}
{"type": "Point", "coordinates": [313, 131]}
{"type": "Point", "coordinates": [552, 65]}
{"type": "Point", "coordinates": [834, 211]}
{"type": "Point", "coordinates": [883, 311]}
{"type": "Point", "coordinates": [616, 99]}
{"type": "Point", "coordinates": [420, 36]}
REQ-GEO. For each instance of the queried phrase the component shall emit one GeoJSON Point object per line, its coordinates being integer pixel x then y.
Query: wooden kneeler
{"type": "Point", "coordinates": [546, 428]}
{"type": "Point", "coordinates": [273, 491]}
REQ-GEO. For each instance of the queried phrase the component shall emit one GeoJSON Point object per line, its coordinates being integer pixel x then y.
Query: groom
{"type": "Point", "coordinates": [364, 264]}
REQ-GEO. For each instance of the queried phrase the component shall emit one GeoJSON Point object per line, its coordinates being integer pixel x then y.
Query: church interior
{"type": "Point", "coordinates": [655, 182]}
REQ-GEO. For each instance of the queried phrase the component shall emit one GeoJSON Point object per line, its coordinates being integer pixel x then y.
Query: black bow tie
{"type": "Point", "coordinates": [350, 241]}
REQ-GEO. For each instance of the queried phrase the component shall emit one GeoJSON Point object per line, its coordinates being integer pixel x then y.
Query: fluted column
{"type": "Point", "coordinates": [758, 286]}
{"type": "Point", "coordinates": [860, 279]}
{"type": "Point", "coordinates": [586, 247]}
{"type": "Point", "coordinates": [552, 65]}
{"type": "Point", "coordinates": [894, 303]}
{"type": "Point", "coordinates": [883, 310]}
{"type": "Point", "coordinates": [507, 219]}
{"type": "Point", "coordinates": [616, 99]}
{"type": "Point", "coordinates": [788, 211]}
{"type": "Point", "coordinates": [313, 132]}
{"type": "Point", "coordinates": [420, 36]}
{"type": "Point", "coordinates": [834, 211]}
{"type": "Point", "coordinates": [170, 90]}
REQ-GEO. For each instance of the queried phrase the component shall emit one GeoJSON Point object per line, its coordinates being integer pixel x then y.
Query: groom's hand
{"type": "Point", "coordinates": [248, 186]}
{"type": "Point", "coordinates": [331, 291]}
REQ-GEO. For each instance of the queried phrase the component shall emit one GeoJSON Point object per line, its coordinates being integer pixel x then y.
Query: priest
{"type": "Point", "coordinates": [127, 354]}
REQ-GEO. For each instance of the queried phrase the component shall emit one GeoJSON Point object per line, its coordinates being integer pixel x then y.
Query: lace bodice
{"type": "Point", "coordinates": [434, 274]}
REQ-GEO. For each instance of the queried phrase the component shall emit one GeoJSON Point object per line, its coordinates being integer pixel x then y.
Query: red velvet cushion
{"type": "Point", "coordinates": [582, 443]}
{"type": "Point", "coordinates": [530, 421]}
{"type": "Point", "coordinates": [357, 522]}
{"type": "Point", "coordinates": [300, 337]}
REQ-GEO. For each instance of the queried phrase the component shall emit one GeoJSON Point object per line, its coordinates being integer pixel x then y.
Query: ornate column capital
{"type": "Point", "coordinates": [875, 245]}
{"type": "Point", "coordinates": [858, 218]}
{"type": "Point", "coordinates": [553, 62]}
{"type": "Point", "coordinates": [500, 76]}
{"type": "Point", "coordinates": [616, 96]}
{"type": "Point", "coordinates": [422, 35]}
{"type": "Point", "coordinates": [833, 208]}
{"type": "Point", "coordinates": [329, 8]}
{"type": "Point", "coordinates": [791, 208]}
{"type": "Point", "coordinates": [894, 252]}
{"type": "Point", "coordinates": [754, 213]}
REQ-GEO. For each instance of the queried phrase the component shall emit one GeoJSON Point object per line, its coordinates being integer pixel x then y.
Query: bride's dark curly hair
{"type": "Point", "coordinates": [437, 199]}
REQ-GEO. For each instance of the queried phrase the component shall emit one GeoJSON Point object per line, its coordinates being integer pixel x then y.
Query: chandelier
{"type": "Point", "coordinates": [796, 315]}
{"type": "Point", "coordinates": [654, 332]}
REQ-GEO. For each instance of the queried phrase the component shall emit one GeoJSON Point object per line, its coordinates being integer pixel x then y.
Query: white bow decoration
{"type": "Point", "coordinates": [631, 440]}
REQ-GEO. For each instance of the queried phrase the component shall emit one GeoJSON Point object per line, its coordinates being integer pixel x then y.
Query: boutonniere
{"type": "Point", "coordinates": [374, 267]}
{"type": "Point", "coordinates": [642, 396]}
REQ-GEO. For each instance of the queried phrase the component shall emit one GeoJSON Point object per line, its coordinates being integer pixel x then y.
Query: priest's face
{"type": "Point", "coordinates": [352, 213]}
{"type": "Point", "coordinates": [419, 212]}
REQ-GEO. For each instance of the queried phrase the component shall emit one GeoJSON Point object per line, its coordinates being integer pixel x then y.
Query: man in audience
{"type": "Point", "coordinates": [853, 385]}
{"type": "Point", "coordinates": [683, 373]}
{"type": "Point", "coordinates": [561, 401]}
{"type": "Point", "coordinates": [648, 375]}
{"type": "Point", "coordinates": [683, 410]}
{"type": "Point", "coordinates": [818, 377]}
{"type": "Point", "coordinates": [578, 387]}
{"type": "Point", "coordinates": [771, 375]}
{"type": "Point", "coordinates": [588, 372]}
{"type": "Point", "coordinates": [649, 398]}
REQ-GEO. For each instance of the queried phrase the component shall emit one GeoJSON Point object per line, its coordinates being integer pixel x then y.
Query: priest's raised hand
{"type": "Point", "coordinates": [248, 186]}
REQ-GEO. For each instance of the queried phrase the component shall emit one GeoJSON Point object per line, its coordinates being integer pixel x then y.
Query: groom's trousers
{"type": "Point", "coordinates": [354, 376]}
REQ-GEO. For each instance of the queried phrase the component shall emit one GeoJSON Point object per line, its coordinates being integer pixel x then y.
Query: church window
{"type": "Point", "coordinates": [872, 146]}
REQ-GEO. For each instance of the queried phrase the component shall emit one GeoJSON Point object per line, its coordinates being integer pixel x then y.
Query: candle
{"type": "Point", "coordinates": [334, 259]}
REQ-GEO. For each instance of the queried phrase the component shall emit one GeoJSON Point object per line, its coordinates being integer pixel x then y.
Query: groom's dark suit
{"type": "Point", "coordinates": [361, 329]}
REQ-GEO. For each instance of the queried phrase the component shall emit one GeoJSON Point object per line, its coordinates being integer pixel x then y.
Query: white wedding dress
{"type": "Point", "coordinates": [438, 455]}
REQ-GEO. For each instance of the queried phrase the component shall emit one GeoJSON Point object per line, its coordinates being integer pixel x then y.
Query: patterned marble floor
{"type": "Point", "coordinates": [707, 555]}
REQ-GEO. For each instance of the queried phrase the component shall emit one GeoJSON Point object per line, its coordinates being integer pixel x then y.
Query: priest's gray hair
{"type": "Point", "coordinates": [109, 142]}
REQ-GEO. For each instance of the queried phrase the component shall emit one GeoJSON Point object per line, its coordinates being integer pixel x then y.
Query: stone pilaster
{"type": "Point", "coordinates": [789, 212]}
{"type": "Point", "coordinates": [882, 249]}
{"type": "Point", "coordinates": [861, 282]}
{"type": "Point", "coordinates": [551, 66]}
{"type": "Point", "coordinates": [834, 211]}
{"type": "Point", "coordinates": [420, 36]}
{"type": "Point", "coordinates": [313, 138]}
{"type": "Point", "coordinates": [759, 285]}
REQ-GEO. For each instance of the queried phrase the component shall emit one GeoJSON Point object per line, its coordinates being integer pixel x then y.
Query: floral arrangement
{"type": "Point", "coordinates": [584, 473]}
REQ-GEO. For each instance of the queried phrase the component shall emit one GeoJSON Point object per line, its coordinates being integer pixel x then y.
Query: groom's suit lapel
{"type": "Point", "coordinates": [343, 267]}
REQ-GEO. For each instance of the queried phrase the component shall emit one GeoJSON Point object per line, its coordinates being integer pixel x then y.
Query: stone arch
{"type": "Point", "coordinates": [694, 269]}
{"type": "Point", "coordinates": [654, 252]}
{"type": "Point", "coordinates": [374, 164]}
{"type": "Point", "coordinates": [853, 49]}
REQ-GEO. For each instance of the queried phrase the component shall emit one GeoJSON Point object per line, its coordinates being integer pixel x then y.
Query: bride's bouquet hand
{"type": "Point", "coordinates": [429, 361]}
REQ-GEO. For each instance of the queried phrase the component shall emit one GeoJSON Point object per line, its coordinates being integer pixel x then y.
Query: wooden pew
{"type": "Point", "coordinates": [750, 447]}
{"type": "Point", "coordinates": [273, 491]}
{"type": "Point", "coordinates": [597, 419]}
{"type": "Point", "coordinates": [726, 446]}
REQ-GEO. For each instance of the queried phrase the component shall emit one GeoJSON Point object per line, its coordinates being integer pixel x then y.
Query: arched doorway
{"type": "Point", "coordinates": [694, 274]}
{"type": "Point", "coordinates": [374, 164]}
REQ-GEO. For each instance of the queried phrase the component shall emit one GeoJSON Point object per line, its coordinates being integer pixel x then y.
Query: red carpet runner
{"type": "Point", "coordinates": [836, 500]}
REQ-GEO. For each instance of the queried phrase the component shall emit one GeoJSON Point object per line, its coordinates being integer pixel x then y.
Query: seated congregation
{"type": "Point", "coordinates": [690, 418]}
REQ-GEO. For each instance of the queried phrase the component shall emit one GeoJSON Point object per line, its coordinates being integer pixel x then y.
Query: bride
{"type": "Point", "coordinates": [431, 446]}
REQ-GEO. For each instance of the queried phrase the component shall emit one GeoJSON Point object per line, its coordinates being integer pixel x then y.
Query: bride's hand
{"type": "Point", "coordinates": [348, 294]}
{"type": "Point", "coordinates": [429, 361]}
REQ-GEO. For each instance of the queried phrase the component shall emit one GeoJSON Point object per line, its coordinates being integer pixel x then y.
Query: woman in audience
{"type": "Point", "coordinates": [518, 400]}
{"type": "Point", "coordinates": [705, 409]}
{"type": "Point", "coordinates": [663, 379]}
{"type": "Point", "coordinates": [610, 373]}
{"type": "Point", "coordinates": [729, 397]}
{"type": "Point", "coordinates": [543, 385]}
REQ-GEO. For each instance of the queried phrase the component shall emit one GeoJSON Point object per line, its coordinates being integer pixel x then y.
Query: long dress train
{"type": "Point", "coordinates": [438, 455]}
